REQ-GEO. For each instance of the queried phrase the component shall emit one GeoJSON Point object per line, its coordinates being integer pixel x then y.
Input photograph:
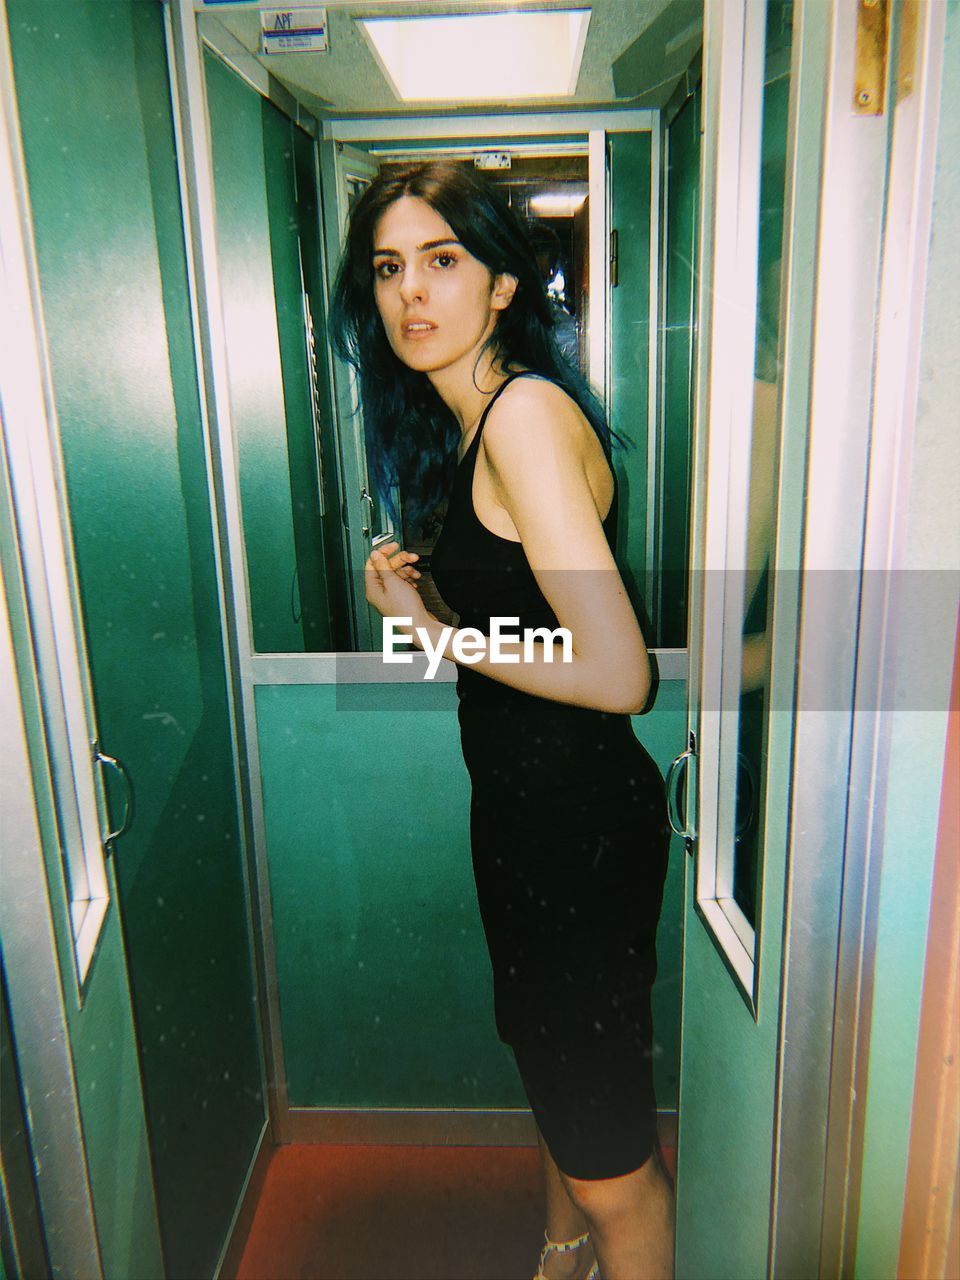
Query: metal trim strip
{"type": "Point", "coordinates": [228, 1264]}
{"type": "Point", "coordinates": [598, 262]}
{"type": "Point", "coordinates": [368, 668]}
{"type": "Point", "coordinates": [220, 550]}
{"type": "Point", "coordinates": [736, 368]}
{"type": "Point", "coordinates": [528, 150]}
{"type": "Point", "coordinates": [653, 365]}
{"type": "Point", "coordinates": [895, 373]}
{"type": "Point", "coordinates": [465, 125]}
{"type": "Point", "coordinates": [441, 1126]}
{"type": "Point", "coordinates": [838, 758]}
{"type": "Point", "coordinates": [198, 205]}
{"type": "Point", "coordinates": [733, 56]}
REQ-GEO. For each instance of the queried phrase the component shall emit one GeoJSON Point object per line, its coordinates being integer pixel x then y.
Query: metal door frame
{"type": "Point", "coordinates": [250, 669]}
{"type": "Point", "coordinates": [912, 120]}
{"type": "Point", "coordinates": [586, 130]}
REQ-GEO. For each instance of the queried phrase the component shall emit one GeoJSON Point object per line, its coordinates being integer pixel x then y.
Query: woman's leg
{"type": "Point", "coordinates": [564, 1222]}
{"type": "Point", "coordinates": [631, 1221]}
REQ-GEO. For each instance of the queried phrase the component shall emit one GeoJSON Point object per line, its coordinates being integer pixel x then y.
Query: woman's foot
{"type": "Point", "coordinates": [566, 1260]}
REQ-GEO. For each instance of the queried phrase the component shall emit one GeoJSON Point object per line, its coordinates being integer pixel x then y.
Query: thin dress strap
{"type": "Point", "coordinates": [520, 373]}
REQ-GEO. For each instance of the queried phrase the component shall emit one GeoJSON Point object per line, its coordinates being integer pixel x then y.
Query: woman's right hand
{"type": "Point", "coordinates": [401, 562]}
{"type": "Point", "coordinates": [391, 582]}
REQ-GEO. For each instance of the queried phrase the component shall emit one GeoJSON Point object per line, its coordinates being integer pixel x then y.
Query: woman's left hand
{"type": "Point", "coordinates": [388, 588]}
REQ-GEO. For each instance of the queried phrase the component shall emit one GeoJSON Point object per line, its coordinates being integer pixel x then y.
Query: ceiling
{"type": "Point", "coordinates": [635, 53]}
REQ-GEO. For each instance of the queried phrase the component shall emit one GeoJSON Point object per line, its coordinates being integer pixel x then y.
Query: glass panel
{"type": "Point", "coordinates": [308, 510]}
{"type": "Point", "coordinates": [355, 189]}
{"type": "Point", "coordinates": [628, 394]}
{"type": "Point", "coordinates": [681, 229]}
{"type": "Point", "coordinates": [105, 195]}
{"type": "Point", "coordinates": [268, 256]}
{"type": "Point", "coordinates": [549, 194]}
{"type": "Point", "coordinates": [761, 512]}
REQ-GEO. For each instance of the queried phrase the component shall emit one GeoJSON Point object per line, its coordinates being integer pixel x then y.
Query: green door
{"type": "Point", "coordinates": [733, 901]}
{"type": "Point", "coordinates": [77, 1192]}
{"type": "Point", "coordinates": [804, 329]}
{"type": "Point", "coordinates": [103, 185]}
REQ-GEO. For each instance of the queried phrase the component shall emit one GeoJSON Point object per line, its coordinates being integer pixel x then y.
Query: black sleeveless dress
{"type": "Point", "coordinates": [569, 839]}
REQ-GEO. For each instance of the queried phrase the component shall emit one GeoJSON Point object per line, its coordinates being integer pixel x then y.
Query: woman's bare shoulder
{"type": "Point", "coordinates": [533, 413]}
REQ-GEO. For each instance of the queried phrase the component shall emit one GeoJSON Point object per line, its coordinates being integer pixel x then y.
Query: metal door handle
{"type": "Point", "coordinates": [128, 800]}
{"type": "Point", "coordinates": [676, 771]}
{"type": "Point", "coordinates": [364, 495]}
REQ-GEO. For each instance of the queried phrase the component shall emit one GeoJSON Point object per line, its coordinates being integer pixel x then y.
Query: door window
{"type": "Point", "coordinates": [753, 586]}
{"type": "Point", "coordinates": [743, 422]}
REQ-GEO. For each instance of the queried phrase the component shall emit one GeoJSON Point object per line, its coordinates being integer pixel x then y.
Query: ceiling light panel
{"type": "Point", "coordinates": [557, 204]}
{"type": "Point", "coordinates": [480, 57]}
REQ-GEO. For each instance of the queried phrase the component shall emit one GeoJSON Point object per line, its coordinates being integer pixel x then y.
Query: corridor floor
{"type": "Point", "coordinates": [367, 1212]}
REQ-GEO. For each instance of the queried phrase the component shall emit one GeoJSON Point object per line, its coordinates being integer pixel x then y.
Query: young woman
{"type": "Point", "coordinates": [441, 308]}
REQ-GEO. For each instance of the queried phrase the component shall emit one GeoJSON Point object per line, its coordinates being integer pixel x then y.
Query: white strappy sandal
{"type": "Point", "coordinates": [564, 1246]}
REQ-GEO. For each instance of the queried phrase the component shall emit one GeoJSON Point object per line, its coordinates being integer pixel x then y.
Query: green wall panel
{"type": "Point", "coordinates": [384, 979]}
{"type": "Point", "coordinates": [106, 206]}
{"type": "Point", "coordinates": [728, 1085]}
{"type": "Point", "coordinates": [723, 1220]}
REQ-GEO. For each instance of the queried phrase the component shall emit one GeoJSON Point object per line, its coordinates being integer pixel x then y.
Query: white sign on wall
{"type": "Point", "coordinates": [293, 31]}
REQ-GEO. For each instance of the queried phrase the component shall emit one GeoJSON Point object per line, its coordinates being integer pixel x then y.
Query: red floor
{"type": "Point", "coordinates": [397, 1213]}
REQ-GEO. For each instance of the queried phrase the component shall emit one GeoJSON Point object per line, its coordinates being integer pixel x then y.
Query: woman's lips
{"type": "Point", "coordinates": [417, 330]}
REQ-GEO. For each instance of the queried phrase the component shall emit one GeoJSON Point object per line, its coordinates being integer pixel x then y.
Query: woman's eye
{"type": "Point", "coordinates": [385, 269]}
{"type": "Point", "coordinates": [445, 260]}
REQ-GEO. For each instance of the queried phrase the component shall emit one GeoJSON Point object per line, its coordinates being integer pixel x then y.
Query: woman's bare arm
{"type": "Point", "coordinates": [533, 444]}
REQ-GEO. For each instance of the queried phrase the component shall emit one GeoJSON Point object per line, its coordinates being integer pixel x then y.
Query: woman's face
{"type": "Point", "coordinates": [438, 303]}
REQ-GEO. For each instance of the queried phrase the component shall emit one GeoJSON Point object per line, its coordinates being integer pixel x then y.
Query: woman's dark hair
{"type": "Point", "coordinates": [412, 437]}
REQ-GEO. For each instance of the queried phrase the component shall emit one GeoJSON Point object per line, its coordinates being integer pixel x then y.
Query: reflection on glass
{"type": "Point", "coordinates": [681, 233]}
{"type": "Point", "coordinates": [355, 189]}
{"type": "Point", "coordinates": [549, 195]}
{"type": "Point", "coordinates": [757, 598]}
{"type": "Point", "coordinates": [273, 310]}
{"type": "Point", "coordinates": [303, 481]}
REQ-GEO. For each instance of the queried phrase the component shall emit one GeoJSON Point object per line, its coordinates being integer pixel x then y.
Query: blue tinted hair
{"type": "Point", "coordinates": [412, 437]}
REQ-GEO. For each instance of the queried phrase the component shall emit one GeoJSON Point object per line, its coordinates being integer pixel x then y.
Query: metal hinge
{"type": "Point", "coordinates": [873, 43]}
{"type": "Point", "coordinates": [907, 53]}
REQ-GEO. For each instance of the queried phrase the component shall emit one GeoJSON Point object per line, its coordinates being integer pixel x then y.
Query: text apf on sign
{"type": "Point", "coordinates": [293, 31]}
